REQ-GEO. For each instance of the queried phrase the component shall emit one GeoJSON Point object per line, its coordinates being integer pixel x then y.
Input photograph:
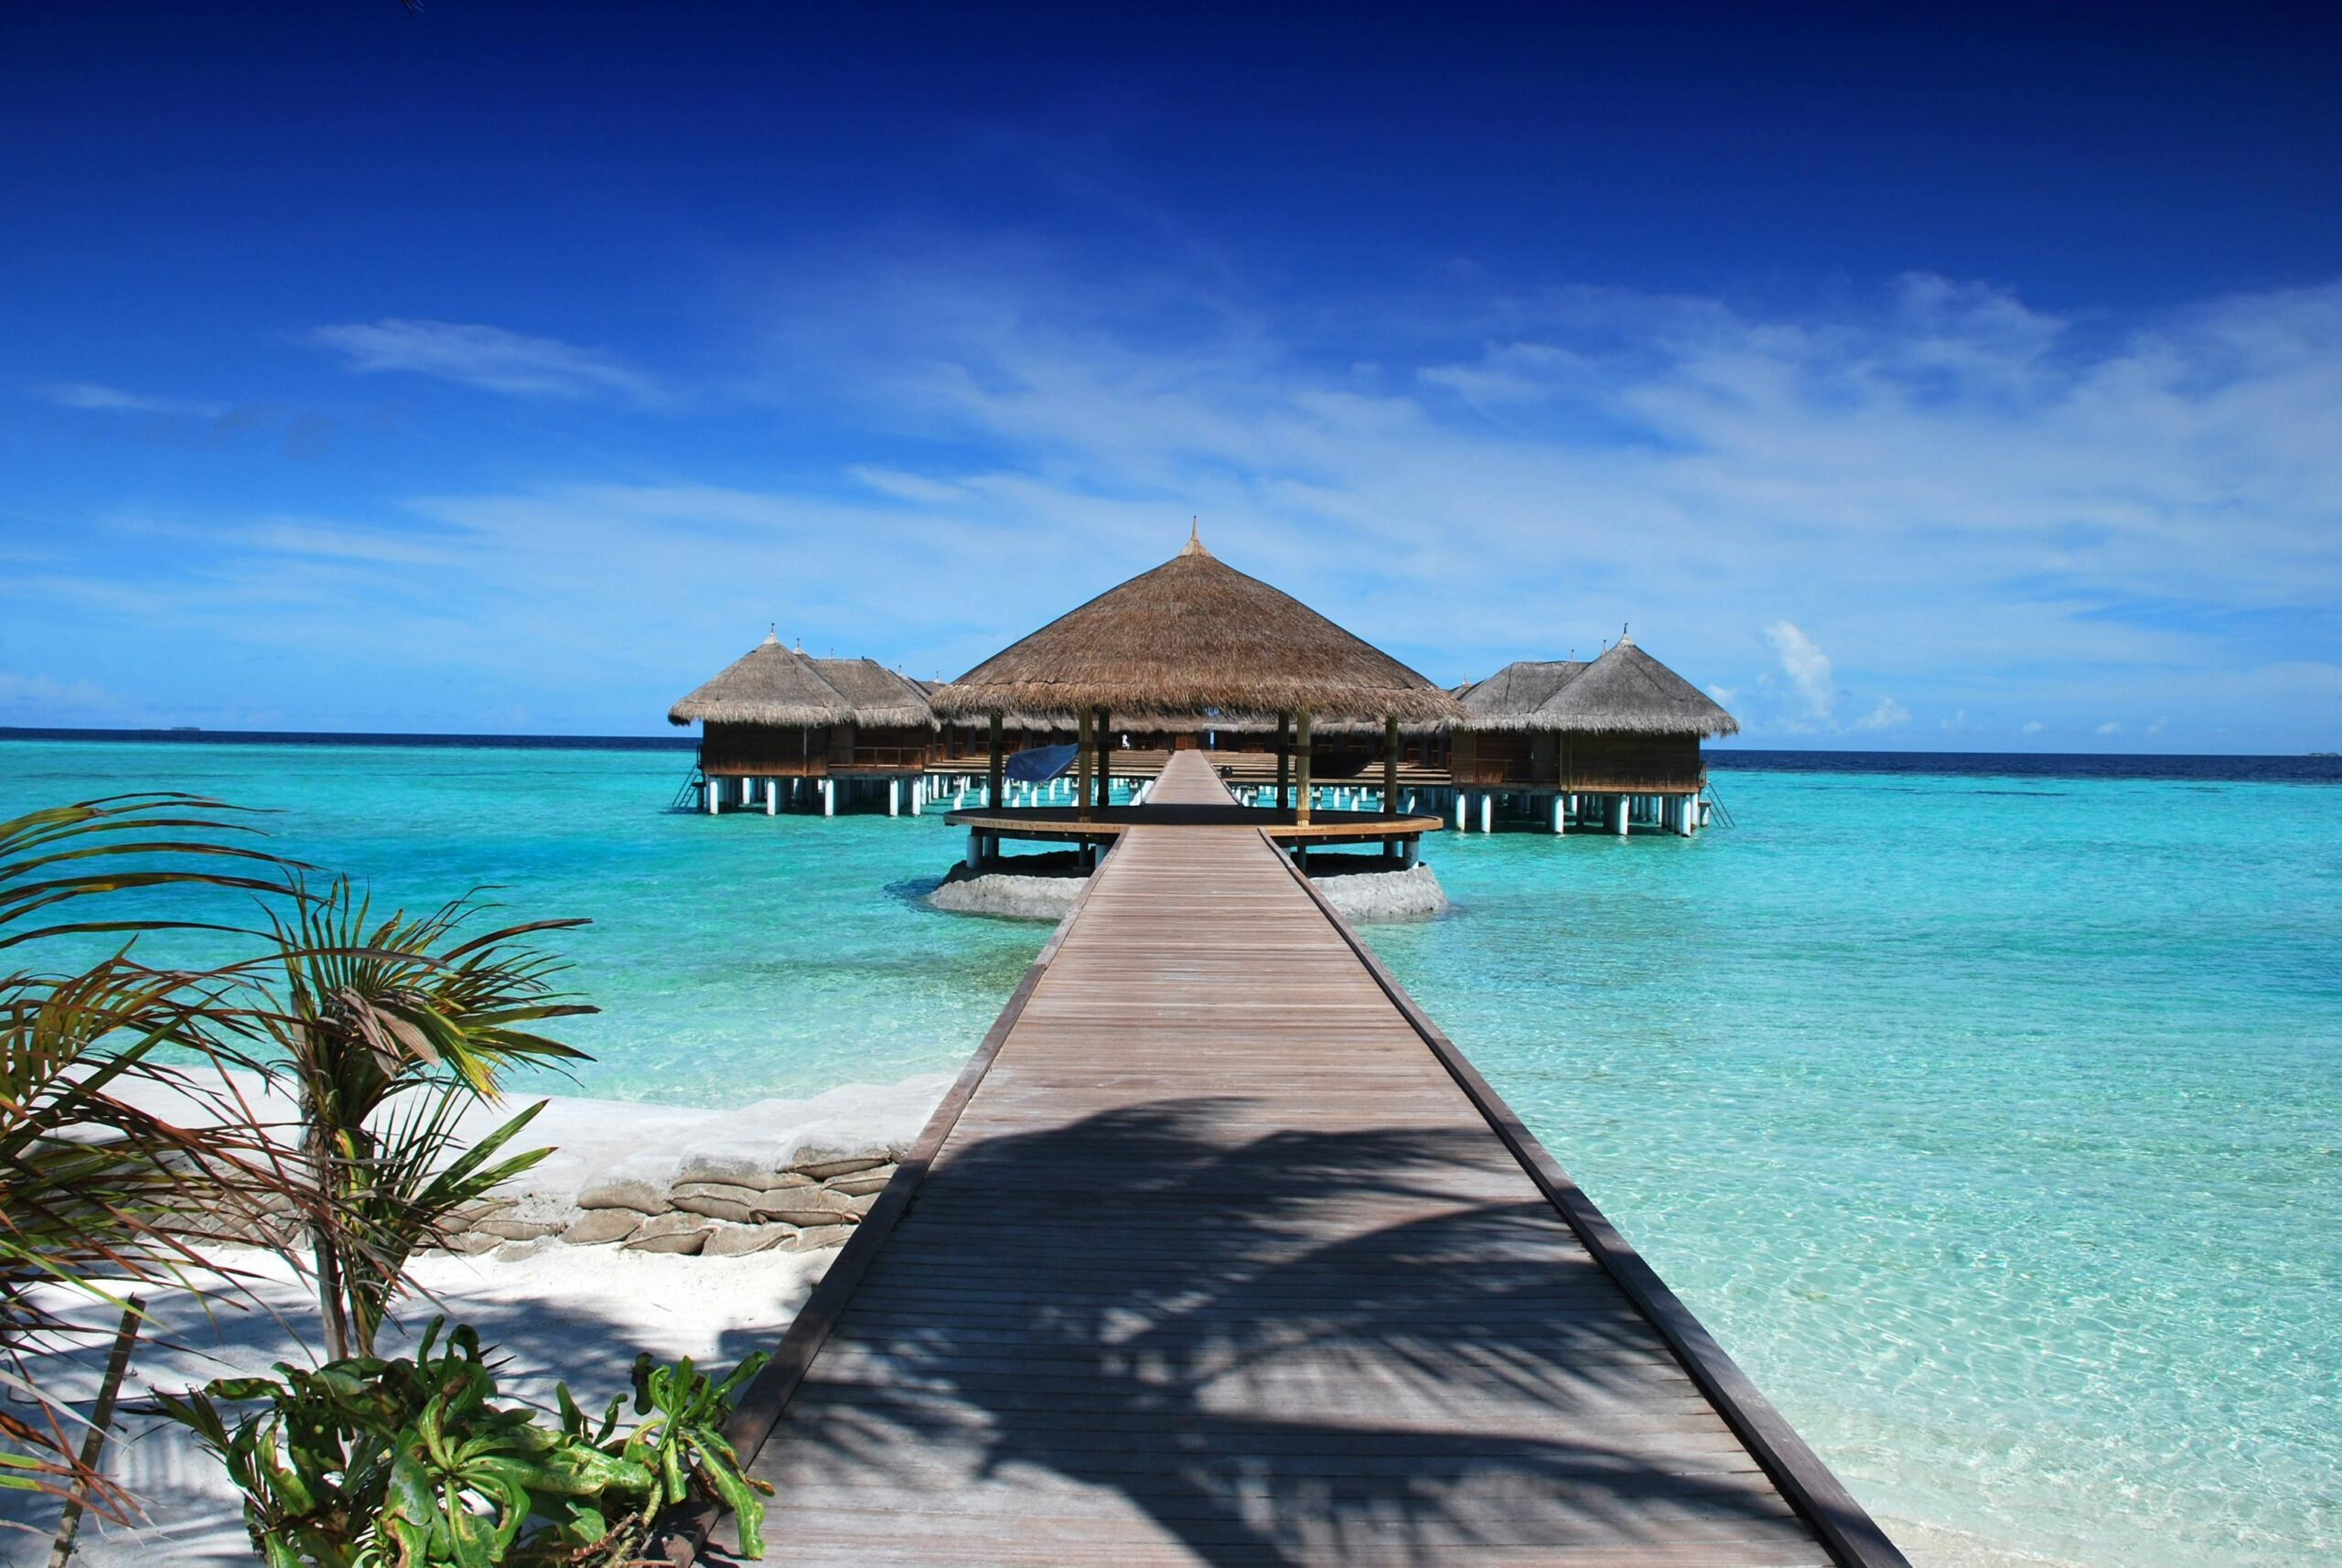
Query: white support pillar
{"type": "Point", "coordinates": [893, 797]}
{"type": "Point", "coordinates": [772, 797]}
{"type": "Point", "coordinates": [1459, 810]}
{"type": "Point", "coordinates": [828, 797]}
{"type": "Point", "coordinates": [712, 793]}
{"type": "Point", "coordinates": [1488, 809]}
{"type": "Point", "coordinates": [1560, 824]}
{"type": "Point", "coordinates": [1623, 805]}
{"type": "Point", "coordinates": [975, 850]}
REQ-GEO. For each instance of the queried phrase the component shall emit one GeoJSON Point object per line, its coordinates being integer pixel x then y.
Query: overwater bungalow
{"type": "Point", "coordinates": [1192, 644]}
{"type": "Point", "coordinates": [1610, 745]}
{"type": "Point", "coordinates": [783, 732]}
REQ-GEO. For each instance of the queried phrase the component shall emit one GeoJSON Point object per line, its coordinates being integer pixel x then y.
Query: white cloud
{"type": "Point", "coordinates": [2157, 727]}
{"type": "Point", "coordinates": [487, 357]}
{"type": "Point", "coordinates": [2110, 727]}
{"type": "Point", "coordinates": [1888, 714]}
{"type": "Point", "coordinates": [102, 399]}
{"type": "Point", "coordinates": [1806, 667]}
{"type": "Point", "coordinates": [2031, 726]}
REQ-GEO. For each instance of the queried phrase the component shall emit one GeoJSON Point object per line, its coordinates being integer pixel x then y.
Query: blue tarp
{"type": "Point", "coordinates": [1039, 764]}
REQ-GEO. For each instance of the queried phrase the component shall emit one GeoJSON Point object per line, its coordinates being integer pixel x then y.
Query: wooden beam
{"type": "Point", "coordinates": [992, 775]}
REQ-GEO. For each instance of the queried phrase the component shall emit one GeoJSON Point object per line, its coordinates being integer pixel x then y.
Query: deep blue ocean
{"type": "Point", "coordinates": [1988, 1109]}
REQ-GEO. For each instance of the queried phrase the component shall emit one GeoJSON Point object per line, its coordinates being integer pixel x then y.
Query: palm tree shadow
{"type": "Point", "coordinates": [1301, 1348]}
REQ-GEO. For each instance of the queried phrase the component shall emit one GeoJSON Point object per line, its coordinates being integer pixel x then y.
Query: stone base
{"type": "Point", "coordinates": [1414, 894]}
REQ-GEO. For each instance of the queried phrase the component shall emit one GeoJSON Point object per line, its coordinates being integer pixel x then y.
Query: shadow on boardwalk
{"type": "Point", "coordinates": [1125, 1318]}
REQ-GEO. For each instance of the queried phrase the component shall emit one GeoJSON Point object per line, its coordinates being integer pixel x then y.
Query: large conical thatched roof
{"type": "Point", "coordinates": [767, 685]}
{"type": "Point", "coordinates": [1193, 634]}
{"type": "Point", "coordinates": [1627, 689]}
{"type": "Point", "coordinates": [880, 698]}
{"type": "Point", "coordinates": [1509, 698]}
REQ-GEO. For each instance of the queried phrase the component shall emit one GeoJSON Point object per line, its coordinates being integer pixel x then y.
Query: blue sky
{"type": "Point", "coordinates": [1908, 382]}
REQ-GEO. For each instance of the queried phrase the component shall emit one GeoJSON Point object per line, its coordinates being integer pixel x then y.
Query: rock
{"type": "Point", "coordinates": [624, 1192]}
{"type": "Point", "coordinates": [1414, 894]}
{"type": "Point", "coordinates": [1014, 898]}
{"type": "Point", "coordinates": [739, 1240]}
{"type": "Point", "coordinates": [603, 1225]}
{"type": "Point", "coordinates": [813, 1239]}
{"type": "Point", "coordinates": [868, 1182]}
{"type": "Point", "coordinates": [813, 1164]}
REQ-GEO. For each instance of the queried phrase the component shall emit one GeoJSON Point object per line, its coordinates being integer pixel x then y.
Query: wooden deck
{"type": "Point", "coordinates": [1218, 1253]}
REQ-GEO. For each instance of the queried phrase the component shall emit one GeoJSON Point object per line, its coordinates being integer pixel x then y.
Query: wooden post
{"type": "Point", "coordinates": [1285, 759]}
{"type": "Point", "coordinates": [1085, 763]}
{"type": "Point", "coordinates": [1100, 728]}
{"type": "Point", "coordinates": [1390, 768]}
{"type": "Point", "coordinates": [1301, 768]}
{"type": "Point", "coordinates": [993, 772]}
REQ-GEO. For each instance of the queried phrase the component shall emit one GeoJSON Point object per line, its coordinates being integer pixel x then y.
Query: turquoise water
{"type": "Point", "coordinates": [1991, 1123]}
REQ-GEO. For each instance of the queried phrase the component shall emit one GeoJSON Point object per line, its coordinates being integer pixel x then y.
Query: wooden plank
{"type": "Point", "coordinates": [1213, 1257]}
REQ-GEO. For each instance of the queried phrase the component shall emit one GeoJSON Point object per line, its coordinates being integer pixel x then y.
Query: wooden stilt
{"type": "Point", "coordinates": [1085, 763]}
{"type": "Point", "coordinates": [1284, 760]}
{"type": "Point", "coordinates": [1301, 768]}
{"type": "Point", "coordinates": [992, 768]}
{"type": "Point", "coordinates": [1101, 725]}
{"type": "Point", "coordinates": [1390, 768]}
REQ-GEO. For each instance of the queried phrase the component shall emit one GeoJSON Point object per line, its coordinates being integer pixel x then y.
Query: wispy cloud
{"type": "Point", "coordinates": [487, 357]}
{"type": "Point", "coordinates": [100, 398]}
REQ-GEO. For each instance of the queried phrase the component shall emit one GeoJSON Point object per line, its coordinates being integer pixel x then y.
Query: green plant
{"type": "Point", "coordinates": [389, 1030]}
{"type": "Point", "coordinates": [96, 1185]}
{"type": "Point", "coordinates": [366, 1463]}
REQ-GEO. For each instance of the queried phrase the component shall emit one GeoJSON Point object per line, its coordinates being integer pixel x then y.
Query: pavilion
{"type": "Point", "coordinates": [1609, 744]}
{"type": "Point", "coordinates": [783, 731]}
{"type": "Point", "coordinates": [1193, 637]}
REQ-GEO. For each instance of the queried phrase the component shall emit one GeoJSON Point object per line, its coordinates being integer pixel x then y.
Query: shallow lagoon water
{"type": "Point", "coordinates": [1992, 1121]}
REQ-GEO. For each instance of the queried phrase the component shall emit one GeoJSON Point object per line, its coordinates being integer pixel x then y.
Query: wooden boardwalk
{"type": "Point", "coordinates": [1218, 1253]}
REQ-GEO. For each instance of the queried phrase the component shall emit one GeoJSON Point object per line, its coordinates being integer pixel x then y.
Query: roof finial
{"type": "Point", "coordinates": [1624, 640]}
{"type": "Point", "coordinates": [772, 635]}
{"type": "Point", "coordinates": [1193, 546]}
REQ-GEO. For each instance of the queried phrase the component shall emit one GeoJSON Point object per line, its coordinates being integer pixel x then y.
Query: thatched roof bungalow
{"type": "Point", "coordinates": [1621, 724]}
{"type": "Point", "coordinates": [775, 715]}
{"type": "Point", "coordinates": [1191, 636]}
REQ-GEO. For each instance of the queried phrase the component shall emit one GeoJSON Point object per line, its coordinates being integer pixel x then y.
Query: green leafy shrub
{"type": "Point", "coordinates": [367, 1462]}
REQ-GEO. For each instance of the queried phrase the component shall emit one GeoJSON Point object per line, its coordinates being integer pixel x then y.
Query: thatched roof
{"type": "Point", "coordinates": [1195, 633]}
{"type": "Point", "coordinates": [1625, 690]}
{"type": "Point", "coordinates": [880, 698]}
{"type": "Point", "coordinates": [769, 684]}
{"type": "Point", "coordinates": [1509, 698]}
